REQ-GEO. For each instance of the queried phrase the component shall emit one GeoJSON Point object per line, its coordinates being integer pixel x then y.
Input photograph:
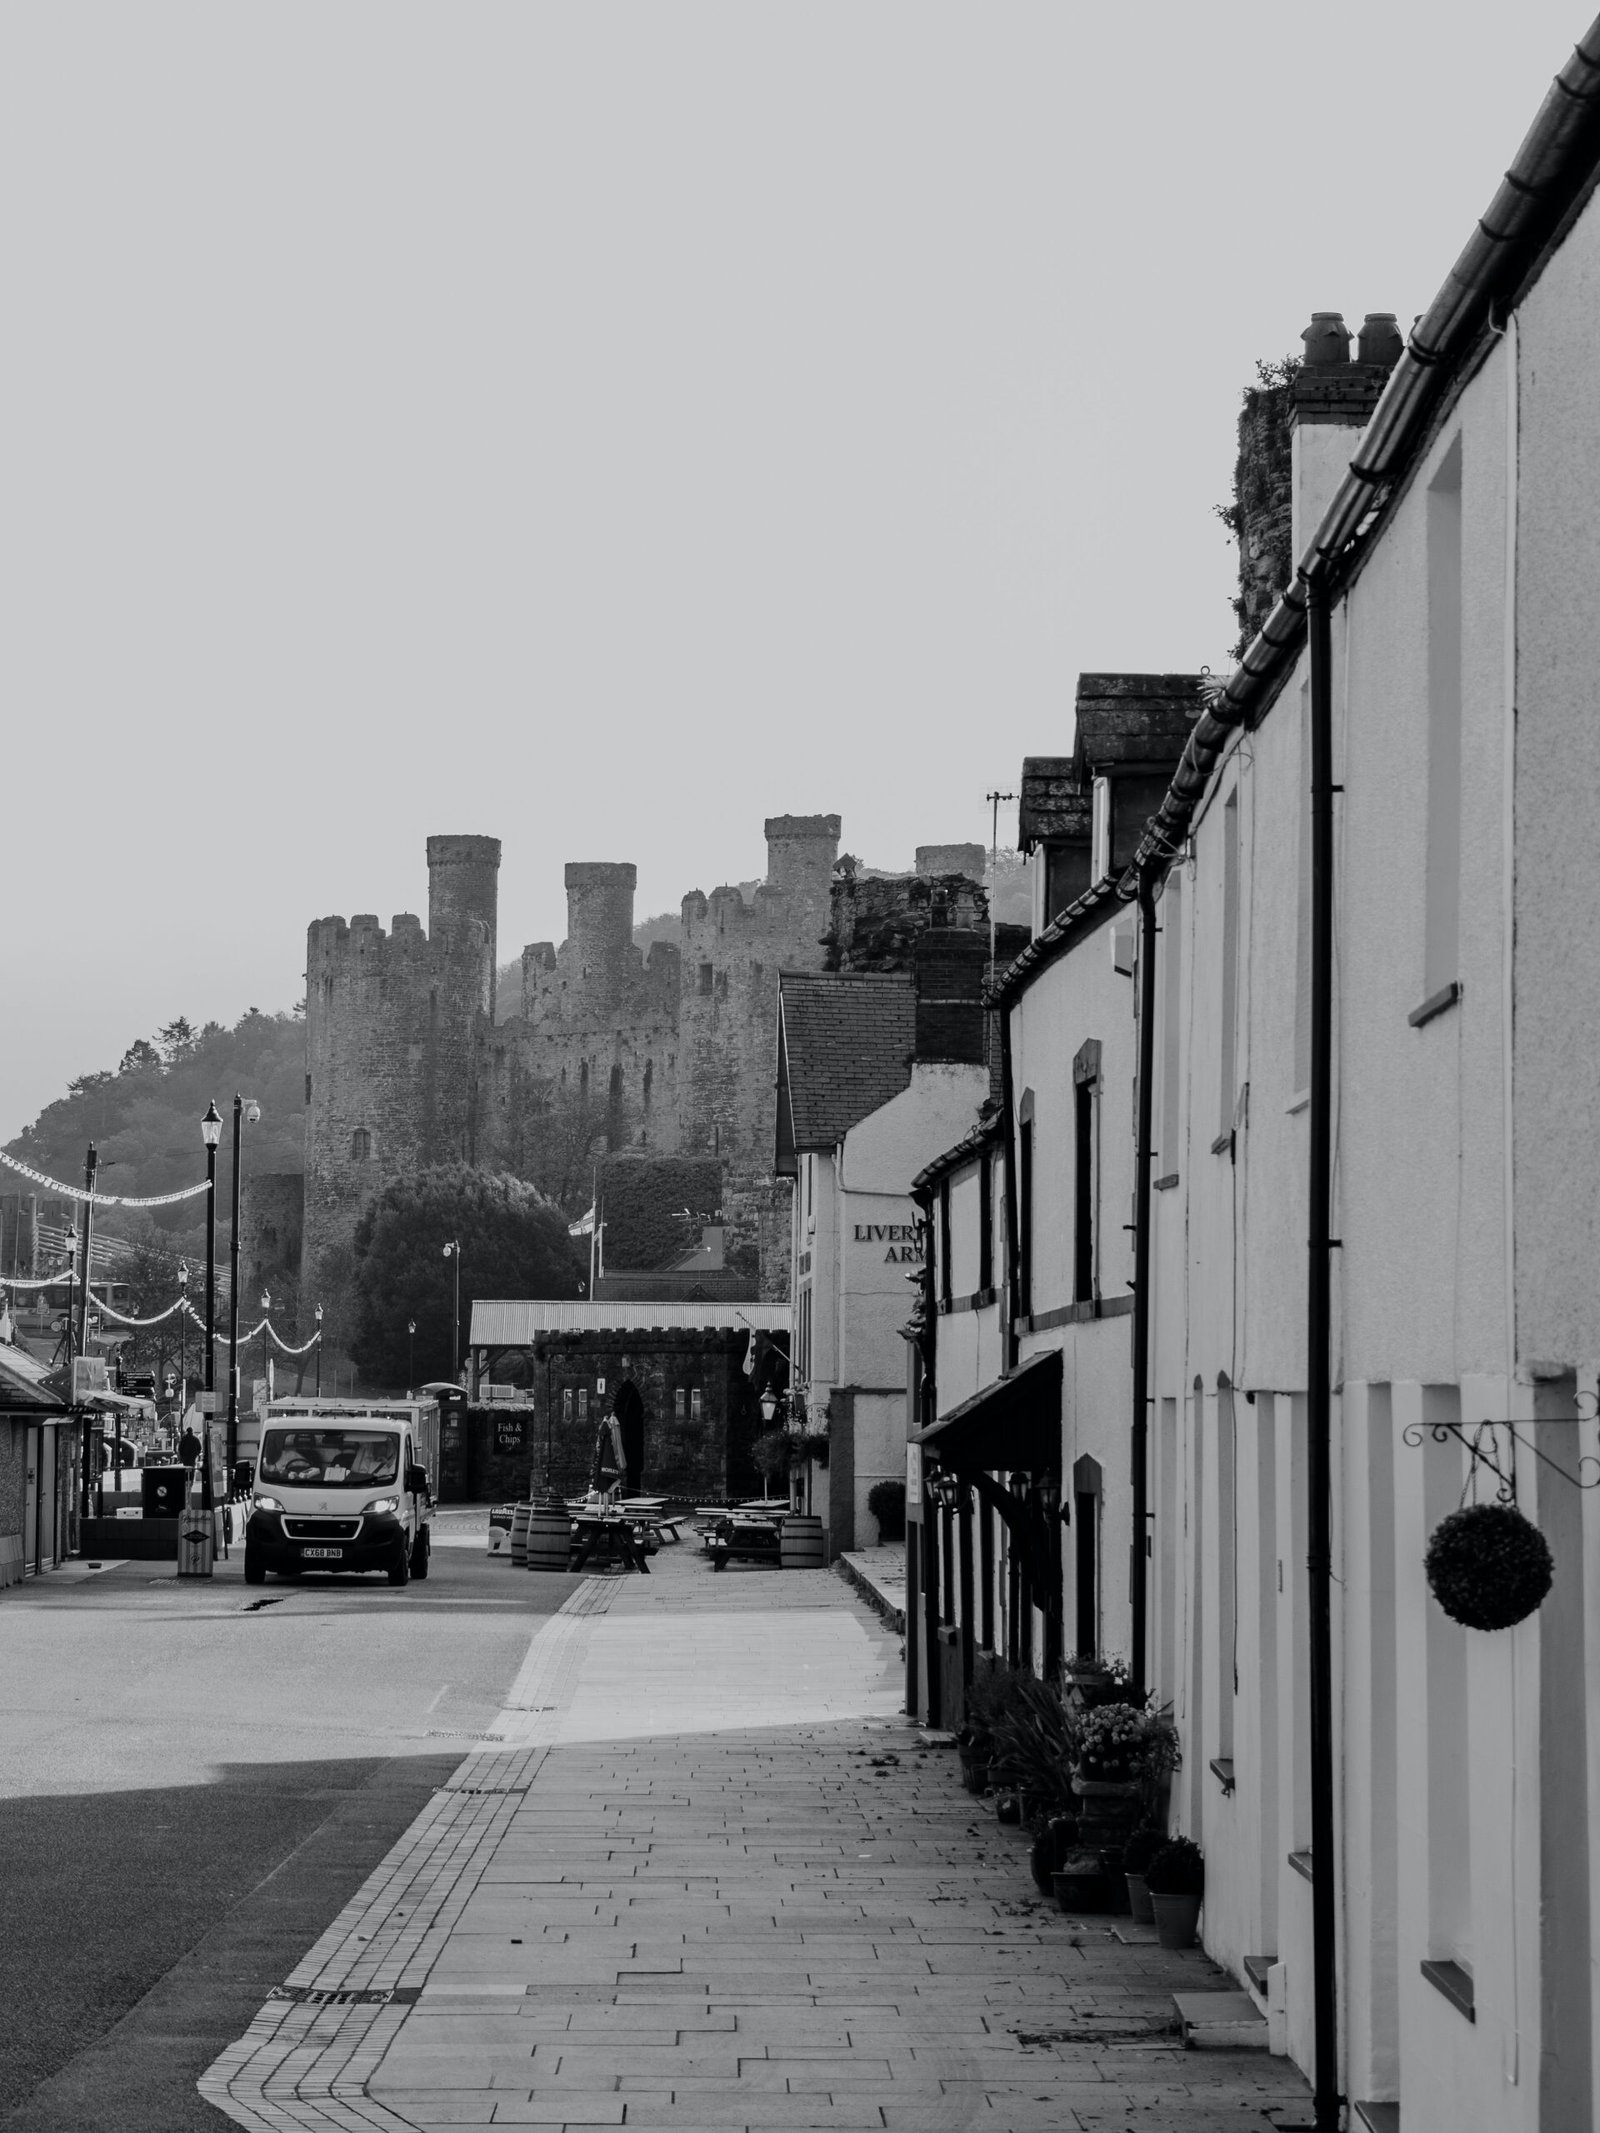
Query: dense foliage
{"type": "Point", "coordinates": [514, 1243]}
{"type": "Point", "coordinates": [655, 1206]}
{"type": "Point", "coordinates": [144, 1118]}
{"type": "Point", "coordinates": [1178, 1869]}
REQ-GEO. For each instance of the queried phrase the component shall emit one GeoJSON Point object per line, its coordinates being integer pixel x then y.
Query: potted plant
{"type": "Point", "coordinates": [1111, 1744]}
{"type": "Point", "coordinates": [1137, 1854]}
{"type": "Point", "coordinates": [986, 1698]}
{"type": "Point", "coordinates": [886, 1500]}
{"type": "Point", "coordinates": [1176, 1879]}
{"type": "Point", "coordinates": [1095, 1679]}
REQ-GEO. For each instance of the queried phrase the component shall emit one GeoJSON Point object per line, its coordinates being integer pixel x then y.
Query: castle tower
{"type": "Point", "coordinates": [600, 926]}
{"type": "Point", "coordinates": [392, 1029]}
{"type": "Point", "coordinates": [801, 851]}
{"type": "Point", "coordinates": [463, 887]}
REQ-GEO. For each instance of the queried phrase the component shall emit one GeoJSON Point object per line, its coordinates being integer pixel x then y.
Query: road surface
{"type": "Point", "coordinates": [194, 1778]}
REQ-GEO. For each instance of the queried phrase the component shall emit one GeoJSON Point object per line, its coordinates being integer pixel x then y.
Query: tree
{"type": "Point", "coordinates": [177, 1038]}
{"type": "Point", "coordinates": [514, 1242]}
{"type": "Point", "coordinates": [139, 1057]}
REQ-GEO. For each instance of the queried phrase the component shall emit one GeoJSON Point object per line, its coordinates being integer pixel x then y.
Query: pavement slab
{"type": "Point", "coordinates": [706, 1874]}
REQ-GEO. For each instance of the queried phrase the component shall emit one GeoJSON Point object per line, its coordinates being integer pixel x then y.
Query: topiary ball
{"type": "Point", "coordinates": [1488, 1566]}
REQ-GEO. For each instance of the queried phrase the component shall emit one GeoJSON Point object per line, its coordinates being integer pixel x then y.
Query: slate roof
{"type": "Point", "coordinates": [846, 1040]}
{"type": "Point", "coordinates": [27, 1386]}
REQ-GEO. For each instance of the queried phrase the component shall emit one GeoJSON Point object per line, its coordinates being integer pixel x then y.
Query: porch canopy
{"type": "Point", "coordinates": [1013, 1423]}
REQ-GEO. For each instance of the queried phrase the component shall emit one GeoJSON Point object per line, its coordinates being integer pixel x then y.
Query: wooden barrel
{"type": "Point", "coordinates": [519, 1534]}
{"type": "Point", "coordinates": [549, 1537]}
{"type": "Point", "coordinates": [800, 1544]}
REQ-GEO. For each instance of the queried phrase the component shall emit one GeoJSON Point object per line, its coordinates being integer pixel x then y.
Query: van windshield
{"type": "Point", "coordinates": [329, 1458]}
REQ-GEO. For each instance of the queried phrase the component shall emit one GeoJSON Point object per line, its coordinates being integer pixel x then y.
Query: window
{"type": "Point", "coordinates": [1025, 1206]}
{"type": "Point", "coordinates": [1449, 1750]}
{"type": "Point", "coordinates": [986, 1221]}
{"type": "Point", "coordinates": [1227, 1568]}
{"type": "Point", "coordinates": [679, 1402]}
{"type": "Point", "coordinates": [1086, 1555]}
{"type": "Point", "coordinates": [1171, 1021]}
{"type": "Point", "coordinates": [566, 1403]}
{"type": "Point", "coordinates": [706, 977]}
{"type": "Point", "coordinates": [583, 1403]}
{"type": "Point", "coordinates": [1228, 1086]}
{"type": "Point", "coordinates": [1302, 929]}
{"type": "Point", "coordinates": [1085, 1081]}
{"type": "Point", "coordinates": [696, 1404]}
{"type": "Point", "coordinates": [361, 1145]}
{"type": "Point", "coordinates": [1442, 923]}
{"type": "Point", "coordinates": [946, 1285]}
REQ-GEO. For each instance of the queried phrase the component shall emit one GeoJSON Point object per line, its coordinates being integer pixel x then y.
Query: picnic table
{"type": "Point", "coordinates": [746, 1532]}
{"type": "Point", "coordinates": [605, 1531]}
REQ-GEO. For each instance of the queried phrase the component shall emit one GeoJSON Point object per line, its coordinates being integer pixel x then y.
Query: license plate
{"type": "Point", "coordinates": [324, 1555]}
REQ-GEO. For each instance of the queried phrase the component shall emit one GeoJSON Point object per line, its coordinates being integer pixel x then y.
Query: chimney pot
{"type": "Point", "coordinates": [1380, 341]}
{"type": "Point", "coordinates": [1327, 341]}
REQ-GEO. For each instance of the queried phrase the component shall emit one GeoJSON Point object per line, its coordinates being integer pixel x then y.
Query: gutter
{"type": "Point", "coordinates": [1551, 175]}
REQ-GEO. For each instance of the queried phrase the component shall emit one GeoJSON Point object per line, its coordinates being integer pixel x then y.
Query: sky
{"type": "Point", "coordinates": [602, 426]}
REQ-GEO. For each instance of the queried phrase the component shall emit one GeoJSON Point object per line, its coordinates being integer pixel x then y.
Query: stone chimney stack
{"type": "Point", "coordinates": [1333, 402]}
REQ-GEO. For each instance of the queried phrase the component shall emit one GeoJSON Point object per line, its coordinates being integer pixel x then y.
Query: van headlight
{"type": "Point", "coordinates": [265, 1503]}
{"type": "Point", "coordinates": [379, 1504]}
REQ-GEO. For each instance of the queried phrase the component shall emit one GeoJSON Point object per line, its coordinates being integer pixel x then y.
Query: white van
{"type": "Point", "coordinates": [343, 1485]}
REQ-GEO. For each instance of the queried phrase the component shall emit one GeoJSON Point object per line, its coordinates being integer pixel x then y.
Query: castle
{"type": "Point", "coordinates": [612, 1050]}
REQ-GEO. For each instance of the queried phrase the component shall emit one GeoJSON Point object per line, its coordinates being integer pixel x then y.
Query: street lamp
{"type": "Point", "coordinates": [411, 1355]}
{"type": "Point", "coordinates": [243, 1108]}
{"type": "Point", "coordinates": [453, 1251]}
{"type": "Point", "coordinates": [319, 1351]}
{"type": "Point", "coordinates": [266, 1361]}
{"type": "Point", "coordinates": [183, 1333]}
{"type": "Point", "coordinates": [210, 1133]}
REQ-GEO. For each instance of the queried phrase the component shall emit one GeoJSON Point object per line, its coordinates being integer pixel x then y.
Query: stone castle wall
{"type": "Point", "coordinates": [613, 1051]}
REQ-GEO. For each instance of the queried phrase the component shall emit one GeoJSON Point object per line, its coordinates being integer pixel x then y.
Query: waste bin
{"type": "Point", "coordinates": [196, 1541]}
{"type": "Point", "coordinates": [162, 1490]}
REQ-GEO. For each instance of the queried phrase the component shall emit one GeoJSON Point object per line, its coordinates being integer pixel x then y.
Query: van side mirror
{"type": "Point", "coordinates": [417, 1480]}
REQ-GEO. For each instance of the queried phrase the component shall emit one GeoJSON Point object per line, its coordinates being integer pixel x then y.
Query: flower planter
{"type": "Point", "coordinates": [1139, 1900]}
{"type": "Point", "coordinates": [1008, 1809]}
{"type": "Point", "coordinates": [1079, 1885]}
{"type": "Point", "coordinates": [1177, 1919]}
{"type": "Point", "coordinates": [974, 1772]}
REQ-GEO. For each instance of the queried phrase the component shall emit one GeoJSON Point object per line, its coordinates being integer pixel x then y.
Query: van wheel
{"type": "Point", "coordinates": [255, 1570]}
{"type": "Point", "coordinates": [400, 1568]}
{"type": "Point", "coordinates": [422, 1548]}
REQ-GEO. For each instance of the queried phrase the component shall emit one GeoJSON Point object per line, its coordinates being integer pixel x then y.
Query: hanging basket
{"type": "Point", "coordinates": [1488, 1566]}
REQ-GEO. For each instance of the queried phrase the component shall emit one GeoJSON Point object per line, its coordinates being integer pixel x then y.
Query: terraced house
{"type": "Point", "coordinates": [1302, 1089]}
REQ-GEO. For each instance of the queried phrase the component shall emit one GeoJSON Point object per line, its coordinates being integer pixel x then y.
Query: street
{"type": "Point", "coordinates": [194, 1778]}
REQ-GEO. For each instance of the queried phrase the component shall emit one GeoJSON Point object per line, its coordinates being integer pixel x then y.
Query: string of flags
{"type": "Point", "coordinates": [100, 1199]}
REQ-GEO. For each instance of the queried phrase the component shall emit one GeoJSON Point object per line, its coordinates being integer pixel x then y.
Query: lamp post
{"type": "Point", "coordinates": [183, 1333]}
{"type": "Point", "coordinates": [411, 1355]}
{"type": "Point", "coordinates": [243, 1108]}
{"type": "Point", "coordinates": [266, 1360]}
{"type": "Point", "coordinates": [453, 1251]}
{"type": "Point", "coordinates": [210, 1133]}
{"type": "Point", "coordinates": [319, 1351]}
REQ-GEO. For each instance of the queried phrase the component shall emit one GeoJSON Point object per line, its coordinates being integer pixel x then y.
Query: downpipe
{"type": "Point", "coordinates": [1319, 1365]}
{"type": "Point", "coordinates": [1139, 1436]}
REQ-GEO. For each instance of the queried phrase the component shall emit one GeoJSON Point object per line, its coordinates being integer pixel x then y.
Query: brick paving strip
{"type": "Point", "coordinates": [634, 1910]}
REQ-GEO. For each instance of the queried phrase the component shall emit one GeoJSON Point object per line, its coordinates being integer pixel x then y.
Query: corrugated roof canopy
{"type": "Point", "coordinates": [518, 1322]}
{"type": "Point", "coordinates": [27, 1386]}
{"type": "Point", "coordinates": [845, 1046]}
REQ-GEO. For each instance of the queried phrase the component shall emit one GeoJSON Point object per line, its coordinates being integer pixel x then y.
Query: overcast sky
{"type": "Point", "coordinates": [603, 426]}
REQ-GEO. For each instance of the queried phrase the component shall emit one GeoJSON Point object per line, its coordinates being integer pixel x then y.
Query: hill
{"type": "Point", "coordinates": [144, 1117]}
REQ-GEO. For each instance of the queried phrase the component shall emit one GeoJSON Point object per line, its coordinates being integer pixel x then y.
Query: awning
{"type": "Point", "coordinates": [1015, 1423]}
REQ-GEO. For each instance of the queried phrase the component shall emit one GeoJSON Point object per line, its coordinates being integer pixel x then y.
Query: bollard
{"type": "Point", "coordinates": [196, 1541]}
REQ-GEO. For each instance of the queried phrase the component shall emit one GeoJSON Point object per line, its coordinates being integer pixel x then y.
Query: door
{"type": "Point", "coordinates": [45, 1558]}
{"type": "Point", "coordinates": [32, 1446]}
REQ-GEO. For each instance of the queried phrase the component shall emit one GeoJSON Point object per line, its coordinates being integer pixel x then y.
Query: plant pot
{"type": "Point", "coordinates": [974, 1772]}
{"type": "Point", "coordinates": [1139, 1900]}
{"type": "Point", "coordinates": [1177, 1918]}
{"type": "Point", "coordinates": [1049, 1850]}
{"type": "Point", "coordinates": [1008, 1809]}
{"type": "Point", "coordinates": [1079, 1887]}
